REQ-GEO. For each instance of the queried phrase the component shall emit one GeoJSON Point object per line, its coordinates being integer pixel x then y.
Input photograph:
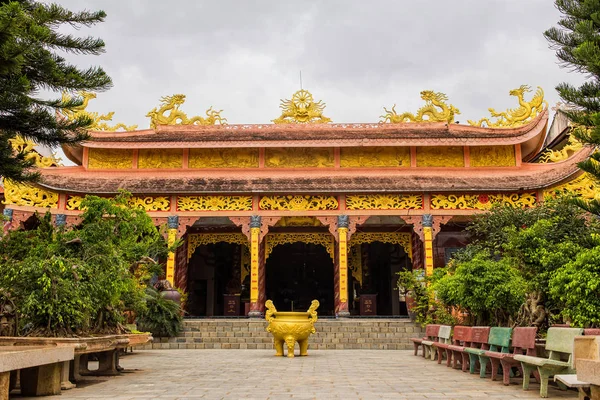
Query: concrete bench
{"type": "Point", "coordinates": [559, 344]}
{"type": "Point", "coordinates": [479, 341]}
{"type": "Point", "coordinates": [498, 342]}
{"type": "Point", "coordinates": [429, 350]}
{"type": "Point", "coordinates": [431, 332]}
{"type": "Point", "coordinates": [460, 340]}
{"type": "Point", "coordinates": [523, 343]}
{"type": "Point", "coordinates": [443, 341]}
{"type": "Point", "coordinates": [39, 366]}
{"type": "Point", "coordinates": [571, 381]}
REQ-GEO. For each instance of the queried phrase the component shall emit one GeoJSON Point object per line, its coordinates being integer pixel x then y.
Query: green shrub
{"type": "Point", "coordinates": [162, 317]}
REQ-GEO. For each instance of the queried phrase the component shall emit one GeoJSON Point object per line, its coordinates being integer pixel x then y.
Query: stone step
{"type": "Point", "coordinates": [337, 334]}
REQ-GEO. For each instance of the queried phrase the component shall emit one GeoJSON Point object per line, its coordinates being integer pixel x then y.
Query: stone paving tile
{"type": "Point", "coordinates": [324, 374]}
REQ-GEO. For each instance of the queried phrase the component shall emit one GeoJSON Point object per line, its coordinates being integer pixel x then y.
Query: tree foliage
{"type": "Point", "coordinates": [509, 274]}
{"type": "Point", "coordinates": [576, 40]}
{"type": "Point", "coordinates": [30, 61]}
{"type": "Point", "coordinates": [82, 280]}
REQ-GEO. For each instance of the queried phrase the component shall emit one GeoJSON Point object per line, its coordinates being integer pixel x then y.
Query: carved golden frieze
{"type": "Point", "coordinates": [298, 157]}
{"type": "Point", "coordinates": [357, 157]}
{"type": "Point", "coordinates": [160, 203]}
{"type": "Point", "coordinates": [27, 195]}
{"type": "Point", "coordinates": [160, 158]}
{"type": "Point", "coordinates": [298, 221]}
{"type": "Point", "coordinates": [404, 239]}
{"type": "Point", "coordinates": [171, 105]}
{"type": "Point", "coordinates": [521, 115]}
{"type": "Point", "coordinates": [452, 156]}
{"type": "Point", "coordinates": [324, 239]}
{"type": "Point", "coordinates": [110, 158]}
{"type": "Point", "coordinates": [298, 203]}
{"type": "Point", "coordinates": [214, 203]}
{"type": "Point", "coordinates": [384, 202]}
{"type": "Point", "coordinates": [301, 109]}
{"type": "Point", "coordinates": [196, 240]}
{"type": "Point", "coordinates": [582, 186]}
{"type": "Point", "coordinates": [435, 110]}
{"type": "Point", "coordinates": [223, 158]}
{"type": "Point", "coordinates": [492, 156]}
{"type": "Point", "coordinates": [99, 121]}
{"type": "Point", "coordinates": [481, 201]}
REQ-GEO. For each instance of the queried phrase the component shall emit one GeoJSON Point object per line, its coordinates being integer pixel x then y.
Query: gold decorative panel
{"type": "Point", "coordinates": [384, 202]}
{"type": "Point", "coordinates": [582, 186]}
{"type": "Point", "coordinates": [452, 156]}
{"type": "Point", "coordinates": [196, 240]}
{"type": "Point", "coordinates": [356, 157]}
{"type": "Point", "coordinates": [110, 158]}
{"type": "Point", "coordinates": [161, 203]}
{"type": "Point", "coordinates": [481, 201]}
{"type": "Point", "coordinates": [355, 263]}
{"type": "Point", "coordinates": [298, 157]}
{"type": "Point", "coordinates": [401, 238]}
{"type": "Point", "coordinates": [492, 156]}
{"type": "Point", "coordinates": [298, 221]}
{"type": "Point", "coordinates": [151, 203]}
{"type": "Point", "coordinates": [74, 203]}
{"type": "Point", "coordinates": [160, 158]}
{"type": "Point", "coordinates": [223, 158]}
{"type": "Point", "coordinates": [27, 195]}
{"type": "Point", "coordinates": [214, 203]}
{"type": "Point", "coordinates": [324, 239]}
{"type": "Point", "coordinates": [298, 203]}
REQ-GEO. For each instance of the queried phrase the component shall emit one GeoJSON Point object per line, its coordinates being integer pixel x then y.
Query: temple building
{"type": "Point", "coordinates": [304, 208]}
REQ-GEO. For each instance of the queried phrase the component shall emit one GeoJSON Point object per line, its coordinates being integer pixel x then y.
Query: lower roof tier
{"type": "Point", "coordinates": [524, 177]}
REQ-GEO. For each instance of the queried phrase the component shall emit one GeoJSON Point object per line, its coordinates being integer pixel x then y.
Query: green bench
{"type": "Point", "coordinates": [498, 341]}
{"type": "Point", "coordinates": [559, 344]}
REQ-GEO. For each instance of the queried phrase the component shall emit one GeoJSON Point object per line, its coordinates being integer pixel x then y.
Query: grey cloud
{"type": "Point", "coordinates": [355, 55]}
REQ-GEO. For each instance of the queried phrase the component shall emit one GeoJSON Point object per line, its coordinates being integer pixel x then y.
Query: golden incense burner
{"type": "Point", "coordinates": [291, 327]}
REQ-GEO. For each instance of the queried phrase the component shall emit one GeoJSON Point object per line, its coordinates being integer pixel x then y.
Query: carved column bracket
{"type": "Point", "coordinates": [244, 223]}
{"type": "Point", "coordinates": [184, 224]}
{"type": "Point", "coordinates": [266, 223]}
{"type": "Point", "coordinates": [354, 221]}
{"type": "Point", "coordinates": [331, 223]}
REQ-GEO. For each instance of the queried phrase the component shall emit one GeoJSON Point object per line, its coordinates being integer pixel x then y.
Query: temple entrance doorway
{"type": "Point", "coordinates": [298, 273]}
{"type": "Point", "coordinates": [213, 275]}
{"type": "Point", "coordinates": [380, 264]}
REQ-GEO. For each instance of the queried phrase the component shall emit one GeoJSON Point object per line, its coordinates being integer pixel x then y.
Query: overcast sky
{"type": "Point", "coordinates": [357, 56]}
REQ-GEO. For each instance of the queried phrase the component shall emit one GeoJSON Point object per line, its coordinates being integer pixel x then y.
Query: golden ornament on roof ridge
{"type": "Point", "coordinates": [514, 117]}
{"type": "Point", "coordinates": [177, 117]}
{"type": "Point", "coordinates": [435, 110]}
{"type": "Point", "coordinates": [301, 109]}
{"type": "Point", "coordinates": [27, 147]}
{"type": "Point", "coordinates": [99, 120]}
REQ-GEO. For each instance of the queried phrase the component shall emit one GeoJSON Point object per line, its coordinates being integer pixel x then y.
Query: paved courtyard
{"type": "Point", "coordinates": [324, 374]}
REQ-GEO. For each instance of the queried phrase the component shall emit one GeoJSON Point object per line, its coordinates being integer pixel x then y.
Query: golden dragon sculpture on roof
{"type": "Point", "coordinates": [434, 110]}
{"type": "Point", "coordinates": [99, 120]}
{"type": "Point", "coordinates": [521, 115]}
{"type": "Point", "coordinates": [177, 117]}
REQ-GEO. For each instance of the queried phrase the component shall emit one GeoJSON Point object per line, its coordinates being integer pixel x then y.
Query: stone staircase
{"type": "Point", "coordinates": [347, 333]}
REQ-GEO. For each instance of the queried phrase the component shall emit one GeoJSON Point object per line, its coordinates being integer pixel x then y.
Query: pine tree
{"type": "Point", "coordinates": [30, 62]}
{"type": "Point", "coordinates": [577, 44]}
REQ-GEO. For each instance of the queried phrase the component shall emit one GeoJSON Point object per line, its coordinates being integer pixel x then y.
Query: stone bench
{"type": "Point", "coordinates": [39, 366]}
{"type": "Point", "coordinates": [571, 381]}
{"type": "Point", "coordinates": [105, 348]}
{"type": "Point", "coordinates": [431, 333]}
{"type": "Point", "coordinates": [559, 344]}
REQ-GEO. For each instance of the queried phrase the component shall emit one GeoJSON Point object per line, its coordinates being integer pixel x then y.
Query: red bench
{"type": "Point", "coordinates": [523, 342]}
{"type": "Point", "coordinates": [431, 333]}
{"type": "Point", "coordinates": [591, 332]}
{"type": "Point", "coordinates": [460, 340]}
